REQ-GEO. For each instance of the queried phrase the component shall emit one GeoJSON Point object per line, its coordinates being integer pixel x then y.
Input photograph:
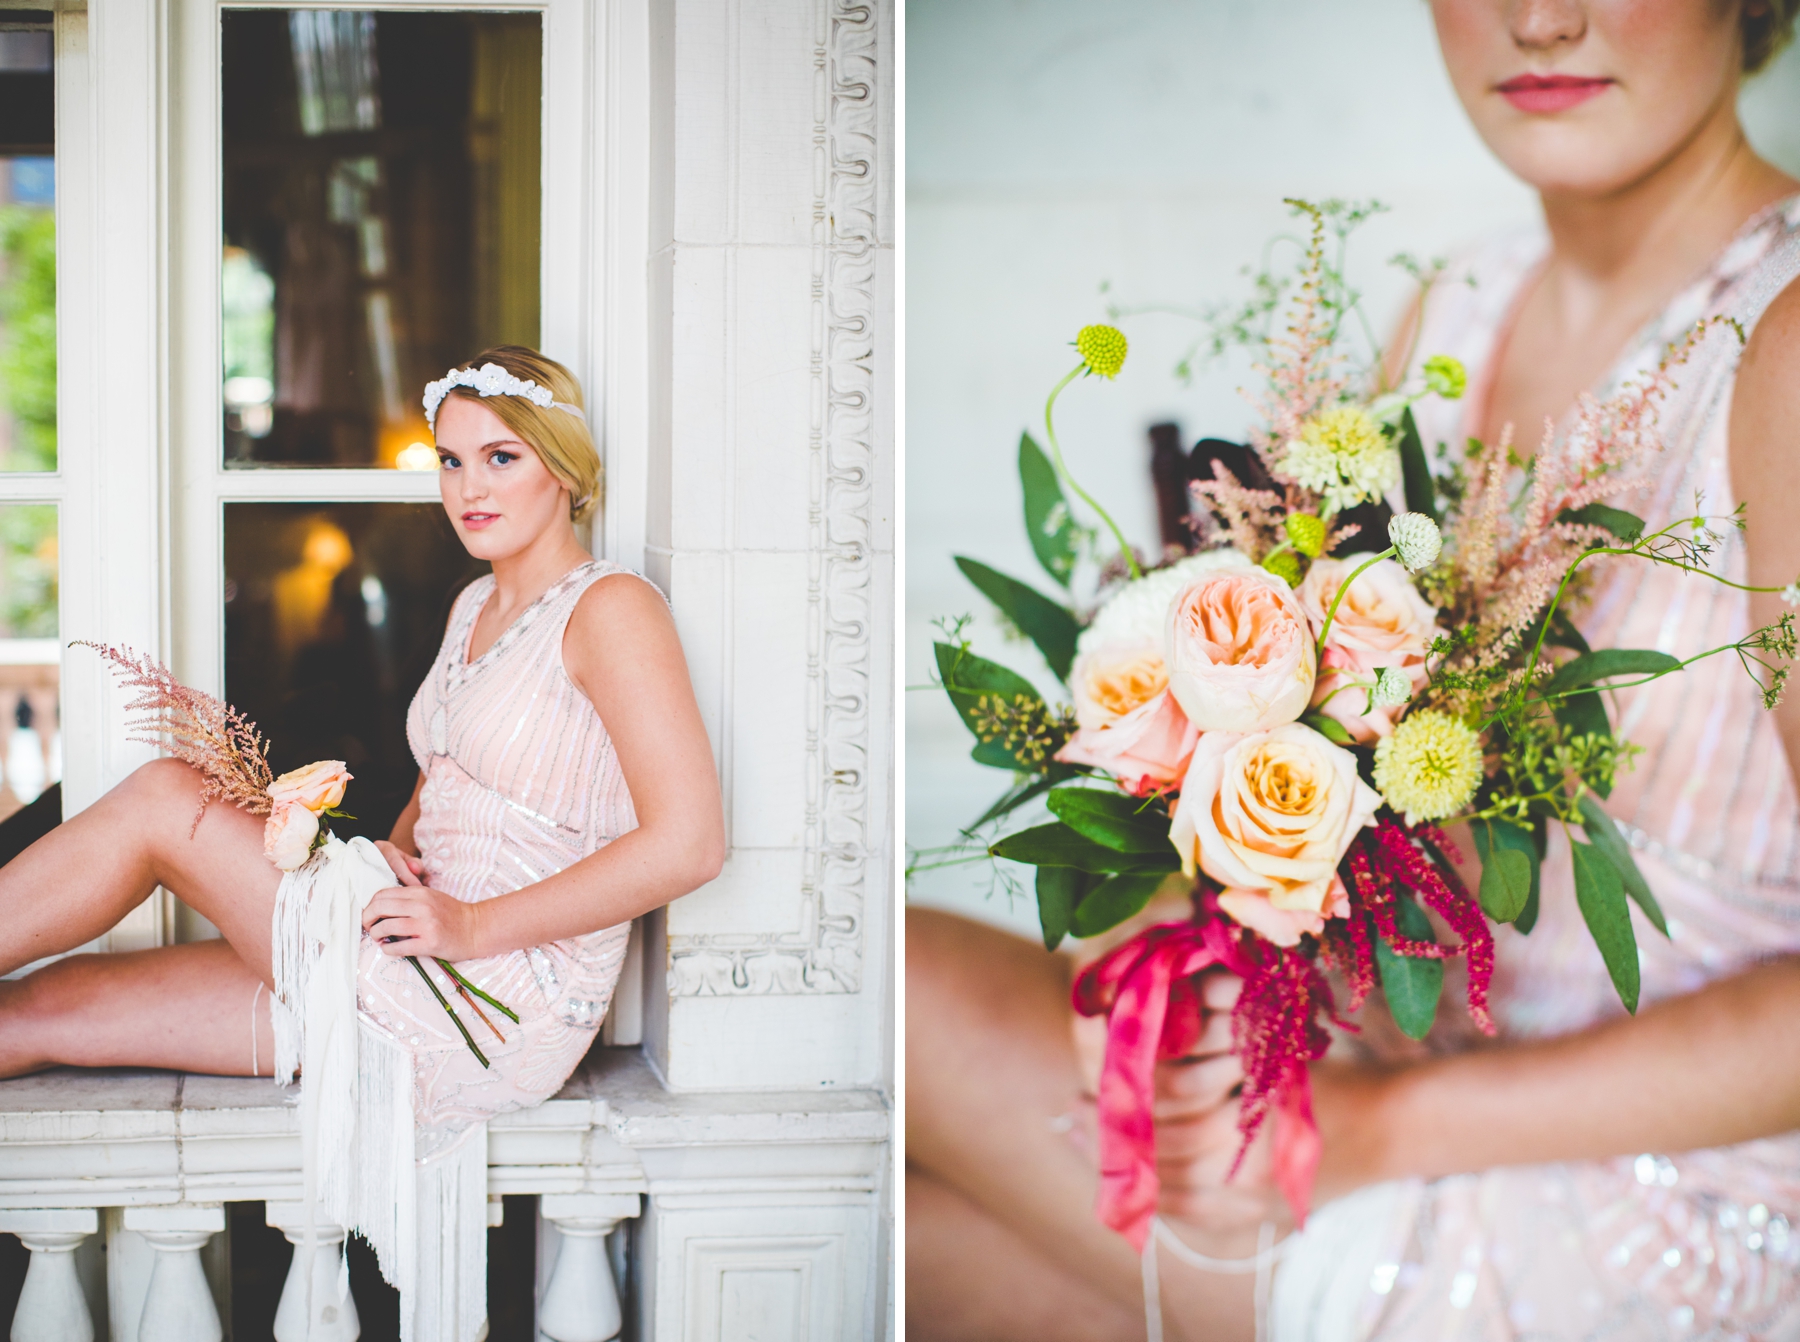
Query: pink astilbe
{"type": "Point", "coordinates": [1248, 518]}
{"type": "Point", "coordinates": [207, 733]}
{"type": "Point", "coordinates": [1276, 1030]}
{"type": "Point", "coordinates": [1453, 904]}
{"type": "Point", "coordinates": [1300, 377]}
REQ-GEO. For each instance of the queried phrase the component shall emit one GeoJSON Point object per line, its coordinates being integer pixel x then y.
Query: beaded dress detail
{"type": "Point", "coordinates": [521, 781]}
{"type": "Point", "coordinates": [1660, 1245]}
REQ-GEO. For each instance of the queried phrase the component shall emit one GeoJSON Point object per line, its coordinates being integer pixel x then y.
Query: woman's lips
{"type": "Point", "coordinates": [1550, 93]}
{"type": "Point", "coordinates": [476, 521]}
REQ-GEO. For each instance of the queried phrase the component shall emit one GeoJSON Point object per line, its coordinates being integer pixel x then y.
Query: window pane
{"type": "Point", "coordinates": [333, 614]}
{"type": "Point", "coordinates": [381, 211]}
{"type": "Point", "coordinates": [30, 650]}
{"type": "Point", "coordinates": [27, 251]}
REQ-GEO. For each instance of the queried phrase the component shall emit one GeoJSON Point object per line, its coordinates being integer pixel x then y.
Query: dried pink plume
{"type": "Point", "coordinates": [197, 729]}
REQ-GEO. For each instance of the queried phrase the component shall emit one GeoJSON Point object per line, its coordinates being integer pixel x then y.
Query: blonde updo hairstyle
{"type": "Point", "coordinates": [561, 440]}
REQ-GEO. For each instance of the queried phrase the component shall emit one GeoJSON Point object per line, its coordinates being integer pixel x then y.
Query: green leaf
{"type": "Point", "coordinates": [1045, 623]}
{"type": "Point", "coordinates": [1605, 836]}
{"type": "Point", "coordinates": [1059, 891]}
{"type": "Point", "coordinates": [966, 678]}
{"type": "Point", "coordinates": [1330, 728]}
{"type": "Point", "coordinates": [1509, 869]}
{"type": "Point", "coordinates": [1411, 984]}
{"type": "Point", "coordinates": [1626, 526]}
{"type": "Point", "coordinates": [1016, 797]}
{"type": "Point", "coordinates": [1585, 715]}
{"type": "Point", "coordinates": [1601, 896]}
{"type": "Point", "coordinates": [1055, 534]}
{"type": "Point", "coordinates": [1591, 667]}
{"type": "Point", "coordinates": [1540, 848]}
{"type": "Point", "coordinates": [1112, 902]}
{"type": "Point", "coordinates": [1112, 819]}
{"type": "Point", "coordinates": [1421, 489]}
{"type": "Point", "coordinates": [1056, 845]}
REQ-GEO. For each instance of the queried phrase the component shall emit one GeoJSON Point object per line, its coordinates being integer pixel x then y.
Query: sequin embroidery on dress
{"type": "Point", "coordinates": [1662, 1245]}
{"type": "Point", "coordinates": [521, 781]}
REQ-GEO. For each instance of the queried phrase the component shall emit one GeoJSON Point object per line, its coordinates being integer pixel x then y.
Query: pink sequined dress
{"type": "Point", "coordinates": [1660, 1244]}
{"type": "Point", "coordinates": [520, 782]}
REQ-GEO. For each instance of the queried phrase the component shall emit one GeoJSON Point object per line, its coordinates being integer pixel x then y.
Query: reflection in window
{"type": "Point", "coordinates": [333, 614]}
{"type": "Point", "coordinates": [30, 714]}
{"type": "Point", "coordinates": [381, 221]}
{"type": "Point", "coordinates": [27, 253]}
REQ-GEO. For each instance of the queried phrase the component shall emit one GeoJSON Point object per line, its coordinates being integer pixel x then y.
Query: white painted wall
{"type": "Point", "coordinates": [1053, 146]}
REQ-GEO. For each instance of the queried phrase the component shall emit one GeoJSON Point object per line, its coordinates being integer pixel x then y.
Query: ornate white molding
{"type": "Point", "coordinates": [825, 954]}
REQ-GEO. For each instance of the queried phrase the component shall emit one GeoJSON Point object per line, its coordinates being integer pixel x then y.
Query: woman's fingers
{"type": "Point", "coordinates": [1219, 989]}
{"type": "Point", "coordinates": [1188, 1088]}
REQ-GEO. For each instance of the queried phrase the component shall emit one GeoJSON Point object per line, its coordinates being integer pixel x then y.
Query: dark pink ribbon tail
{"type": "Point", "coordinates": [1297, 1147]}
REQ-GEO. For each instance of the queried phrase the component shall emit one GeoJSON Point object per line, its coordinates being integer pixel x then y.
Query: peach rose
{"type": "Point", "coordinates": [1269, 816]}
{"type": "Point", "coordinates": [1381, 622]}
{"type": "Point", "coordinates": [288, 834]}
{"type": "Point", "coordinates": [1147, 749]}
{"type": "Point", "coordinates": [1239, 652]}
{"type": "Point", "coordinates": [316, 787]}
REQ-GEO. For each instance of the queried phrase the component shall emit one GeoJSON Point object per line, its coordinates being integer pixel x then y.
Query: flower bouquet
{"type": "Point", "coordinates": [231, 757]}
{"type": "Point", "coordinates": [1281, 724]}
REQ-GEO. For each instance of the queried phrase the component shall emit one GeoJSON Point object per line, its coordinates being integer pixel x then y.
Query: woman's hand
{"type": "Point", "coordinates": [407, 868]}
{"type": "Point", "coordinates": [417, 920]}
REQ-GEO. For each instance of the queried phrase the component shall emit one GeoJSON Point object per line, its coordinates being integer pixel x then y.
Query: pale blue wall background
{"type": "Point", "coordinates": [1054, 145]}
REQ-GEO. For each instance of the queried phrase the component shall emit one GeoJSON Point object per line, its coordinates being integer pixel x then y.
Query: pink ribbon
{"type": "Point", "coordinates": [1148, 991]}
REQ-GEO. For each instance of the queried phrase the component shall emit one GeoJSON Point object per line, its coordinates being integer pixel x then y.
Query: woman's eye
{"type": "Point", "coordinates": [502, 458]}
{"type": "Point", "coordinates": [447, 461]}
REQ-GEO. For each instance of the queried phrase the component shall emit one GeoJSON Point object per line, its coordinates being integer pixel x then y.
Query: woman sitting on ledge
{"type": "Point", "coordinates": [566, 787]}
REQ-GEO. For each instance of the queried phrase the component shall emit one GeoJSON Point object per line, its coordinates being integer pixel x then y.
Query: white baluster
{"type": "Point", "coordinates": [333, 1320]}
{"type": "Point", "coordinates": [52, 1307]}
{"type": "Point", "coordinates": [178, 1307]}
{"type": "Point", "coordinates": [581, 1301]}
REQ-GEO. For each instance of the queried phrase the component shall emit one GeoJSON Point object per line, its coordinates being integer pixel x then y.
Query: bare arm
{"type": "Point", "coordinates": [622, 652]}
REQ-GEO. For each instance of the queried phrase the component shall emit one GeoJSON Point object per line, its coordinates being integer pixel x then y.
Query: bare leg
{"type": "Point", "coordinates": [971, 1279]}
{"type": "Point", "coordinates": [77, 881]}
{"type": "Point", "coordinates": [183, 1007]}
{"type": "Point", "coordinates": [990, 1063]}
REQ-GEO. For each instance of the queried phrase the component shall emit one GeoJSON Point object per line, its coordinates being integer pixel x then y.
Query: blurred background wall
{"type": "Point", "coordinates": [1062, 156]}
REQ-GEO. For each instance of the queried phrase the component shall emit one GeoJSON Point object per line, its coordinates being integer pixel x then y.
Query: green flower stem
{"type": "Point", "coordinates": [494, 1002]}
{"type": "Point", "coordinates": [1344, 586]}
{"type": "Point", "coordinates": [1368, 686]}
{"type": "Point", "coordinates": [444, 1002]}
{"type": "Point", "coordinates": [1062, 466]}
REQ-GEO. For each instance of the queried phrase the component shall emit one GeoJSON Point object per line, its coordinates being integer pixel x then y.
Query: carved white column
{"type": "Point", "coordinates": [581, 1300]}
{"type": "Point", "coordinates": [51, 1306]}
{"type": "Point", "coordinates": [178, 1307]}
{"type": "Point", "coordinates": [333, 1319]}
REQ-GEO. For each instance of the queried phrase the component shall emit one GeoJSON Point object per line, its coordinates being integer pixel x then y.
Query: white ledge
{"type": "Point", "coordinates": [131, 1137]}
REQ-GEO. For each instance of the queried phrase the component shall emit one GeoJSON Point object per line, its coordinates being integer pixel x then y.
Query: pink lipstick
{"type": "Point", "coordinates": [476, 521]}
{"type": "Point", "coordinates": [1550, 93]}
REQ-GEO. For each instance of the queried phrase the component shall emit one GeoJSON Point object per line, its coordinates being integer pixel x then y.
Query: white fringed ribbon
{"type": "Point", "coordinates": [356, 1108]}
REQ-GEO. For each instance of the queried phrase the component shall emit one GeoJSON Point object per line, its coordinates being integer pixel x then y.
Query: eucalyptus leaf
{"type": "Point", "coordinates": [1591, 667]}
{"type": "Point", "coordinates": [1421, 489]}
{"type": "Point", "coordinates": [1585, 715]}
{"type": "Point", "coordinates": [1540, 848]}
{"type": "Point", "coordinates": [1626, 526]}
{"type": "Point", "coordinates": [1055, 534]}
{"type": "Point", "coordinates": [966, 678]}
{"type": "Point", "coordinates": [1056, 845]}
{"type": "Point", "coordinates": [1016, 797]}
{"type": "Point", "coordinates": [1507, 851]}
{"type": "Point", "coordinates": [1600, 894]}
{"type": "Point", "coordinates": [1112, 902]}
{"type": "Point", "coordinates": [1059, 892]}
{"type": "Point", "coordinates": [1410, 984]}
{"type": "Point", "coordinates": [1112, 819]}
{"type": "Point", "coordinates": [1605, 836]}
{"type": "Point", "coordinates": [1050, 626]}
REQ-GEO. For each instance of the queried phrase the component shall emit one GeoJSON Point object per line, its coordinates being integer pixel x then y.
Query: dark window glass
{"type": "Point", "coordinates": [381, 220]}
{"type": "Point", "coordinates": [333, 614]}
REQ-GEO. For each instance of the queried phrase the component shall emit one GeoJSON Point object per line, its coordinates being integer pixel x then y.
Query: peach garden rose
{"type": "Point", "coordinates": [288, 835]}
{"type": "Point", "coordinates": [1382, 621]}
{"type": "Point", "coordinates": [317, 787]}
{"type": "Point", "coordinates": [1239, 651]}
{"type": "Point", "coordinates": [1269, 815]}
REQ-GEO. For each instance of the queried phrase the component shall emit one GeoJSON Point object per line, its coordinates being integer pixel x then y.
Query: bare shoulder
{"type": "Point", "coordinates": [1765, 446]}
{"type": "Point", "coordinates": [1768, 380]}
{"type": "Point", "coordinates": [620, 626]}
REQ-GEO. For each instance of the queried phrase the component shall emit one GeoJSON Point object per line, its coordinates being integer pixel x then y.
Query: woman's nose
{"type": "Point", "coordinates": [1543, 25]}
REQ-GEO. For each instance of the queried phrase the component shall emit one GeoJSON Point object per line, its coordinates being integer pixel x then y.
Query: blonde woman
{"type": "Point", "coordinates": [1591, 1175]}
{"type": "Point", "coordinates": [566, 786]}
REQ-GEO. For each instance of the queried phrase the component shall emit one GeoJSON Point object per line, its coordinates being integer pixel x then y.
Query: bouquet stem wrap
{"type": "Point", "coordinates": [1149, 991]}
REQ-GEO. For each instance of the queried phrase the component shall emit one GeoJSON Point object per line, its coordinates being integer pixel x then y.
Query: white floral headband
{"type": "Point", "coordinates": [491, 380]}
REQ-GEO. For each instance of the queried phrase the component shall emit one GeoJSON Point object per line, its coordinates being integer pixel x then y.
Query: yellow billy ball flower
{"type": "Point", "coordinates": [1306, 532]}
{"type": "Point", "coordinates": [1430, 767]}
{"type": "Point", "coordinates": [1446, 376]}
{"type": "Point", "coordinates": [1102, 349]}
{"type": "Point", "coordinates": [1342, 455]}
